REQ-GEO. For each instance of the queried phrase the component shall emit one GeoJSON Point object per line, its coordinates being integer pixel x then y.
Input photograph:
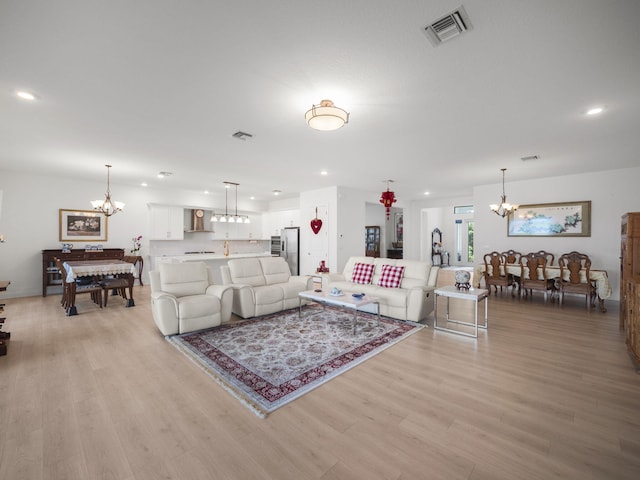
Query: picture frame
{"type": "Point", "coordinates": [82, 226]}
{"type": "Point", "coordinates": [563, 219]}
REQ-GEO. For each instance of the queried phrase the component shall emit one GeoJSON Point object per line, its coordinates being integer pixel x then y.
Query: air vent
{"type": "Point", "coordinates": [448, 27]}
{"type": "Point", "coordinates": [242, 135]}
{"type": "Point", "coordinates": [530, 157]}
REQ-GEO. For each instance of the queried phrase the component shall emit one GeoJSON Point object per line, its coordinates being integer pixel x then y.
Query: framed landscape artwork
{"type": "Point", "coordinates": [82, 226]}
{"type": "Point", "coordinates": [566, 219]}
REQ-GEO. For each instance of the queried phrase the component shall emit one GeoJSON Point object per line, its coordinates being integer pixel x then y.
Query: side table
{"type": "Point", "coordinates": [476, 295]}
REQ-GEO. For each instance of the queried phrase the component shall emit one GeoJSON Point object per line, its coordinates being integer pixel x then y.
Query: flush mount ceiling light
{"type": "Point", "coordinates": [326, 116]}
{"type": "Point", "coordinates": [107, 206]}
{"type": "Point", "coordinates": [504, 208]}
{"type": "Point", "coordinates": [226, 218]}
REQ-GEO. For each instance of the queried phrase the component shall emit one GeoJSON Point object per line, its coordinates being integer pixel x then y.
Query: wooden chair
{"type": "Point", "coordinates": [533, 275]}
{"type": "Point", "coordinates": [575, 267]}
{"type": "Point", "coordinates": [512, 256]}
{"type": "Point", "coordinates": [116, 285]}
{"type": "Point", "coordinates": [92, 288]}
{"type": "Point", "coordinates": [549, 256]}
{"type": "Point", "coordinates": [138, 261]}
{"type": "Point", "coordinates": [495, 273]}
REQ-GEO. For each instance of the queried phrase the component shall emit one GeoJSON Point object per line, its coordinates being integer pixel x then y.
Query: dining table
{"type": "Point", "coordinates": [600, 277]}
{"type": "Point", "coordinates": [96, 269]}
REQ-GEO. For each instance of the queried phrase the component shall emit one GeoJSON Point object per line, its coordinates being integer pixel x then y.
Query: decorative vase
{"type": "Point", "coordinates": [462, 279]}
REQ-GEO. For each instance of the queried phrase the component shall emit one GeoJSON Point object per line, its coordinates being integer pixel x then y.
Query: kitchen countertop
{"type": "Point", "coordinates": [194, 257]}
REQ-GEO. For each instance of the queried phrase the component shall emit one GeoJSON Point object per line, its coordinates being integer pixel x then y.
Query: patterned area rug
{"type": "Point", "coordinates": [267, 362]}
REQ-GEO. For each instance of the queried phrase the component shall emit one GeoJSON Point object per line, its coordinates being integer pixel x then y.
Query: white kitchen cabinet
{"type": "Point", "coordinates": [281, 219]}
{"type": "Point", "coordinates": [167, 222]}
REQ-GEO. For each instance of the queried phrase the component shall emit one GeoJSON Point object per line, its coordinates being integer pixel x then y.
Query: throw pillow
{"type": "Point", "coordinates": [362, 273]}
{"type": "Point", "coordinates": [391, 276]}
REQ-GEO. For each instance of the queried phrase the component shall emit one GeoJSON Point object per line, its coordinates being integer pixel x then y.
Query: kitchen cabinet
{"type": "Point", "coordinates": [277, 221]}
{"type": "Point", "coordinates": [167, 222]}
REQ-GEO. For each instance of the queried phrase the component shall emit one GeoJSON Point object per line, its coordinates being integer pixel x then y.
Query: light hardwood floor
{"type": "Point", "coordinates": [545, 393]}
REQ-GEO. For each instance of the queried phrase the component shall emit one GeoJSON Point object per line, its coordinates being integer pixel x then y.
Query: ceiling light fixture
{"type": "Point", "coordinates": [107, 206]}
{"type": "Point", "coordinates": [326, 116]}
{"type": "Point", "coordinates": [26, 96]}
{"type": "Point", "coordinates": [163, 174]}
{"type": "Point", "coordinates": [388, 198]}
{"type": "Point", "coordinates": [504, 208]}
{"type": "Point", "coordinates": [226, 218]}
{"type": "Point", "coordinates": [595, 111]}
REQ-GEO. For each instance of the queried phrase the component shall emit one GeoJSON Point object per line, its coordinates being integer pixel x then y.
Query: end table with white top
{"type": "Point", "coordinates": [474, 294]}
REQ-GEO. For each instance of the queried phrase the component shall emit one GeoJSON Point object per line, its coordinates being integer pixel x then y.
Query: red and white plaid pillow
{"type": "Point", "coordinates": [391, 276]}
{"type": "Point", "coordinates": [362, 273]}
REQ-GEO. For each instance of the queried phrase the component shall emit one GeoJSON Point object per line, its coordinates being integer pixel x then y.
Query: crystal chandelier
{"type": "Point", "coordinates": [504, 208]}
{"type": "Point", "coordinates": [107, 206]}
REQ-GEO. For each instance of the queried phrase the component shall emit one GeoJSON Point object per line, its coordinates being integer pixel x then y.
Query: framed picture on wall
{"type": "Point", "coordinates": [82, 226]}
{"type": "Point", "coordinates": [566, 219]}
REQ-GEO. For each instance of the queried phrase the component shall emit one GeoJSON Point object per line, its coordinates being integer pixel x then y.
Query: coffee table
{"type": "Point", "coordinates": [346, 300]}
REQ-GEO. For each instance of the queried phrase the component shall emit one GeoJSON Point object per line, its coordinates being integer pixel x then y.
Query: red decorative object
{"type": "Point", "coordinates": [316, 223]}
{"type": "Point", "coordinates": [388, 198]}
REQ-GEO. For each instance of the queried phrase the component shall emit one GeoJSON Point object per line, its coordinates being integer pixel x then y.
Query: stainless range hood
{"type": "Point", "coordinates": [200, 221]}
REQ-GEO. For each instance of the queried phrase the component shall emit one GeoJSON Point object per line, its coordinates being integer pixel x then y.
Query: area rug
{"type": "Point", "coordinates": [267, 362]}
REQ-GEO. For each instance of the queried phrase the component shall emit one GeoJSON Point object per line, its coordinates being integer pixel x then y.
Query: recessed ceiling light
{"type": "Point", "coordinates": [252, 198]}
{"type": "Point", "coordinates": [206, 192]}
{"type": "Point", "coordinates": [143, 184]}
{"type": "Point", "coordinates": [163, 174]}
{"type": "Point", "coordinates": [277, 192]}
{"type": "Point", "coordinates": [595, 110]}
{"type": "Point", "coordinates": [427, 193]}
{"type": "Point", "coordinates": [26, 95]}
{"type": "Point", "coordinates": [324, 172]}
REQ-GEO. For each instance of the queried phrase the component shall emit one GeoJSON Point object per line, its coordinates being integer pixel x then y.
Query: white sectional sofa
{"type": "Point", "coordinates": [263, 285]}
{"type": "Point", "coordinates": [413, 298]}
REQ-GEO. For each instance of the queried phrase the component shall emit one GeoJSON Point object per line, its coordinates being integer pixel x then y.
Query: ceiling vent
{"type": "Point", "coordinates": [242, 135]}
{"type": "Point", "coordinates": [448, 27]}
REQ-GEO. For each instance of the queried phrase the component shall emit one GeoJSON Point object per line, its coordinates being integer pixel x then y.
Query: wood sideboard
{"type": "Point", "coordinates": [630, 282]}
{"type": "Point", "coordinates": [50, 273]}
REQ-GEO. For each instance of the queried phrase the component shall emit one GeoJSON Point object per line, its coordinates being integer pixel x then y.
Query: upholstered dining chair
{"type": "Point", "coordinates": [574, 277]}
{"type": "Point", "coordinates": [533, 275]}
{"type": "Point", "coordinates": [495, 273]}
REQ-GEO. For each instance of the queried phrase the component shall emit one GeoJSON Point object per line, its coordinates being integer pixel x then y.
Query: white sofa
{"type": "Point", "coordinates": [184, 298]}
{"type": "Point", "coordinates": [412, 300]}
{"type": "Point", "coordinates": [263, 285]}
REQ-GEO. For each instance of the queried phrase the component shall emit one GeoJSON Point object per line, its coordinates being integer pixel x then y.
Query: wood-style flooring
{"type": "Point", "coordinates": [545, 393]}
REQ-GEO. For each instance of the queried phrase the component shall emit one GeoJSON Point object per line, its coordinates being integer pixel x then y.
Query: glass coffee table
{"type": "Point", "coordinates": [346, 301]}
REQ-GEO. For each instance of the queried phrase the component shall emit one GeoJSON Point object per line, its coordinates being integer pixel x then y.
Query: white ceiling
{"type": "Point", "coordinates": [153, 85]}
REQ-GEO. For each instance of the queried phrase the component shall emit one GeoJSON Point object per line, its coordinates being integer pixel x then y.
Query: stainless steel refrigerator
{"type": "Point", "coordinates": [290, 248]}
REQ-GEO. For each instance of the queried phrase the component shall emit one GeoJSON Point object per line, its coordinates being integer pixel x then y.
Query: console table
{"type": "Point", "coordinates": [51, 274]}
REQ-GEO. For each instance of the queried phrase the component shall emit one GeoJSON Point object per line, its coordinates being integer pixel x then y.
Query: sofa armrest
{"type": "Point", "coordinates": [164, 308]}
{"type": "Point", "coordinates": [225, 294]}
{"type": "Point", "coordinates": [328, 278]}
{"type": "Point", "coordinates": [307, 280]}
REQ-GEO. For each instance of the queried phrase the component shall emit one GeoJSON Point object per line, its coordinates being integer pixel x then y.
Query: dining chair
{"type": "Point", "coordinates": [533, 275]}
{"type": "Point", "coordinates": [92, 288]}
{"type": "Point", "coordinates": [138, 262]}
{"type": "Point", "coordinates": [550, 257]}
{"type": "Point", "coordinates": [575, 266]}
{"type": "Point", "coordinates": [513, 258]}
{"type": "Point", "coordinates": [495, 273]}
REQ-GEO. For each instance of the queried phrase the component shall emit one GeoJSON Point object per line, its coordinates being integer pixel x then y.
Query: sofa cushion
{"type": "Point", "coordinates": [362, 273]}
{"type": "Point", "coordinates": [275, 270]}
{"type": "Point", "coordinates": [391, 276]}
{"type": "Point", "coordinates": [180, 279]}
{"type": "Point", "coordinates": [194, 306]}
{"type": "Point", "coordinates": [247, 271]}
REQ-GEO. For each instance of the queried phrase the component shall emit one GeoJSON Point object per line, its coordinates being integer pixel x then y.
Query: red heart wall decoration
{"type": "Point", "coordinates": [316, 224]}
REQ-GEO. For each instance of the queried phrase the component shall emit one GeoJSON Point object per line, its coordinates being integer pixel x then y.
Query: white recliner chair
{"type": "Point", "coordinates": [184, 298]}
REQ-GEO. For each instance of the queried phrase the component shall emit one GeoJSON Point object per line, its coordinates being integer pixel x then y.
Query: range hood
{"type": "Point", "coordinates": [200, 221]}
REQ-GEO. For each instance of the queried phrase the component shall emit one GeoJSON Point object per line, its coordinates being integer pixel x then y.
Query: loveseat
{"type": "Point", "coordinates": [404, 287]}
{"type": "Point", "coordinates": [184, 298]}
{"type": "Point", "coordinates": [263, 285]}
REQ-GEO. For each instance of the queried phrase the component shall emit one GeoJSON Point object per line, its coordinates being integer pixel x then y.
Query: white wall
{"type": "Point", "coordinates": [612, 193]}
{"type": "Point", "coordinates": [30, 220]}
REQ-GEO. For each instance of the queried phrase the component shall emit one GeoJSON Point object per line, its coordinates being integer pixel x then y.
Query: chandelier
{"type": "Point", "coordinates": [326, 116]}
{"type": "Point", "coordinates": [388, 198]}
{"type": "Point", "coordinates": [107, 206]}
{"type": "Point", "coordinates": [504, 208]}
{"type": "Point", "coordinates": [226, 218]}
